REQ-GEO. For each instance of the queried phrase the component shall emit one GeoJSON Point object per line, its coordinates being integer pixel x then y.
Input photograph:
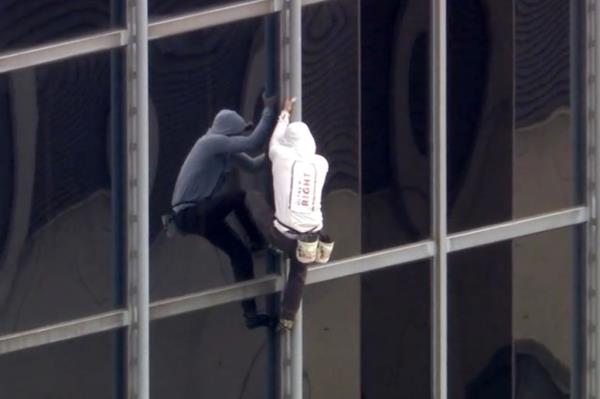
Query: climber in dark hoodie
{"type": "Point", "coordinates": [199, 205]}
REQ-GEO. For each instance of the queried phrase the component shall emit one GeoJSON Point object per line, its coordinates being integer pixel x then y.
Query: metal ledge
{"type": "Point", "coordinates": [214, 297]}
{"type": "Point", "coordinates": [517, 228]}
{"type": "Point", "coordinates": [58, 51]}
{"type": "Point", "coordinates": [159, 28]}
{"type": "Point", "coordinates": [208, 18]}
{"type": "Point", "coordinates": [274, 283]}
{"type": "Point", "coordinates": [370, 262]}
{"type": "Point", "coordinates": [217, 16]}
{"type": "Point", "coordinates": [63, 331]}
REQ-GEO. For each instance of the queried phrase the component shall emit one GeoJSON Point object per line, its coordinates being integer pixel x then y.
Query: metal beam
{"type": "Point", "coordinates": [291, 67]}
{"type": "Point", "coordinates": [138, 195]}
{"type": "Point", "coordinates": [592, 197]}
{"type": "Point", "coordinates": [274, 283]}
{"type": "Point", "coordinates": [215, 297]}
{"type": "Point", "coordinates": [57, 51]}
{"type": "Point", "coordinates": [207, 18]}
{"type": "Point", "coordinates": [516, 228]}
{"type": "Point", "coordinates": [63, 331]}
{"type": "Point", "coordinates": [202, 19]}
{"type": "Point", "coordinates": [370, 262]}
{"type": "Point", "coordinates": [577, 70]}
{"type": "Point", "coordinates": [439, 286]}
{"type": "Point", "coordinates": [159, 28]}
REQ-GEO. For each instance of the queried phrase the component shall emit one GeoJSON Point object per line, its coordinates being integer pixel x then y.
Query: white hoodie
{"type": "Point", "coordinates": [298, 177]}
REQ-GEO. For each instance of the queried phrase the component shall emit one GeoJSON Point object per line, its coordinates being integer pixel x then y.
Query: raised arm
{"type": "Point", "coordinates": [282, 124]}
{"type": "Point", "coordinates": [255, 139]}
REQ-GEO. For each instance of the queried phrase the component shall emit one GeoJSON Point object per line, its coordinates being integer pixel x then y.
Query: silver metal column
{"type": "Point", "coordinates": [439, 273]}
{"type": "Point", "coordinates": [578, 235]}
{"type": "Point", "coordinates": [273, 261]}
{"type": "Point", "coordinates": [296, 91]}
{"type": "Point", "coordinates": [138, 220]}
{"type": "Point", "coordinates": [593, 194]}
{"type": "Point", "coordinates": [291, 31]}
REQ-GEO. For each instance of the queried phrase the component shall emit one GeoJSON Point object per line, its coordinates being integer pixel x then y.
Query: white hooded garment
{"type": "Point", "coordinates": [298, 177]}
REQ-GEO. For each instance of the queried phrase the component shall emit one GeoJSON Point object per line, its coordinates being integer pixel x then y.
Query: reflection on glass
{"type": "Point", "coordinates": [511, 318]}
{"type": "Point", "coordinates": [369, 336]}
{"type": "Point", "coordinates": [89, 367]}
{"type": "Point", "coordinates": [25, 23]}
{"type": "Point", "coordinates": [511, 148]}
{"type": "Point", "coordinates": [331, 109]}
{"type": "Point", "coordinates": [396, 332]}
{"type": "Point", "coordinates": [209, 354]}
{"type": "Point", "coordinates": [546, 147]}
{"type": "Point", "coordinates": [192, 78]}
{"type": "Point", "coordinates": [395, 123]}
{"type": "Point", "coordinates": [58, 256]}
{"type": "Point", "coordinates": [544, 268]}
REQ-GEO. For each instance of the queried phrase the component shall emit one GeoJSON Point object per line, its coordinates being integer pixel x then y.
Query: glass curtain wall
{"type": "Point", "coordinates": [516, 215]}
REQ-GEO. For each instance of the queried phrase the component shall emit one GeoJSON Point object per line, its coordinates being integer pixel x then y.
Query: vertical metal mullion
{"type": "Point", "coordinates": [117, 164]}
{"type": "Point", "coordinates": [291, 31]}
{"type": "Point", "coordinates": [296, 91]}
{"type": "Point", "coordinates": [138, 197]}
{"type": "Point", "coordinates": [273, 262]}
{"type": "Point", "coordinates": [577, 101]}
{"type": "Point", "coordinates": [593, 194]}
{"type": "Point", "coordinates": [439, 204]}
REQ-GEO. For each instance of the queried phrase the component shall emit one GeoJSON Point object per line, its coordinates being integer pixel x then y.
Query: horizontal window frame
{"type": "Point", "coordinates": [157, 29]}
{"type": "Point", "coordinates": [274, 283]}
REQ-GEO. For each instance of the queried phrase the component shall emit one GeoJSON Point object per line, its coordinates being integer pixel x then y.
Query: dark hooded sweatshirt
{"type": "Point", "coordinates": [205, 168]}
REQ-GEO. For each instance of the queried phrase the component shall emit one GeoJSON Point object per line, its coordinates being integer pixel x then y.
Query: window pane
{"type": "Point", "coordinates": [512, 151]}
{"type": "Point", "coordinates": [60, 253]}
{"type": "Point", "coordinates": [25, 23]}
{"type": "Point", "coordinates": [192, 77]}
{"type": "Point", "coordinates": [547, 152]}
{"type": "Point", "coordinates": [209, 354]}
{"type": "Point", "coordinates": [512, 317]}
{"type": "Point", "coordinates": [395, 123]}
{"type": "Point", "coordinates": [331, 110]}
{"type": "Point", "coordinates": [368, 336]}
{"type": "Point", "coordinates": [160, 8]}
{"type": "Point", "coordinates": [89, 367]}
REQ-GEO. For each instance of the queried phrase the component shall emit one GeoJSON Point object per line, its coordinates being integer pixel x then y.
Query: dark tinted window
{"type": "Point", "coordinates": [395, 132]}
{"type": "Point", "coordinates": [396, 326]}
{"type": "Point", "coordinates": [25, 23]}
{"type": "Point", "coordinates": [331, 110]}
{"type": "Point", "coordinates": [512, 151]}
{"type": "Point", "coordinates": [210, 354]}
{"type": "Point", "coordinates": [61, 252]}
{"type": "Point", "coordinates": [511, 309]}
{"type": "Point", "coordinates": [89, 367]}
{"type": "Point", "coordinates": [192, 77]}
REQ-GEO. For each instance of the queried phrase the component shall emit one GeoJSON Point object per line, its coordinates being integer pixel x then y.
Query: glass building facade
{"type": "Point", "coordinates": [462, 194]}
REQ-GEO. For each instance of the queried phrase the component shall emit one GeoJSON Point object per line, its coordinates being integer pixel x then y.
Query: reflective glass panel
{"type": "Point", "coordinates": [25, 23]}
{"type": "Point", "coordinates": [395, 135]}
{"type": "Point", "coordinates": [512, 150]}
{"type": "Point", "coordinates": [89, 367]}
{"type": "Point", "coordinates": [62, 244]}
{"type": "Point", "coordinates": [515, 318]}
